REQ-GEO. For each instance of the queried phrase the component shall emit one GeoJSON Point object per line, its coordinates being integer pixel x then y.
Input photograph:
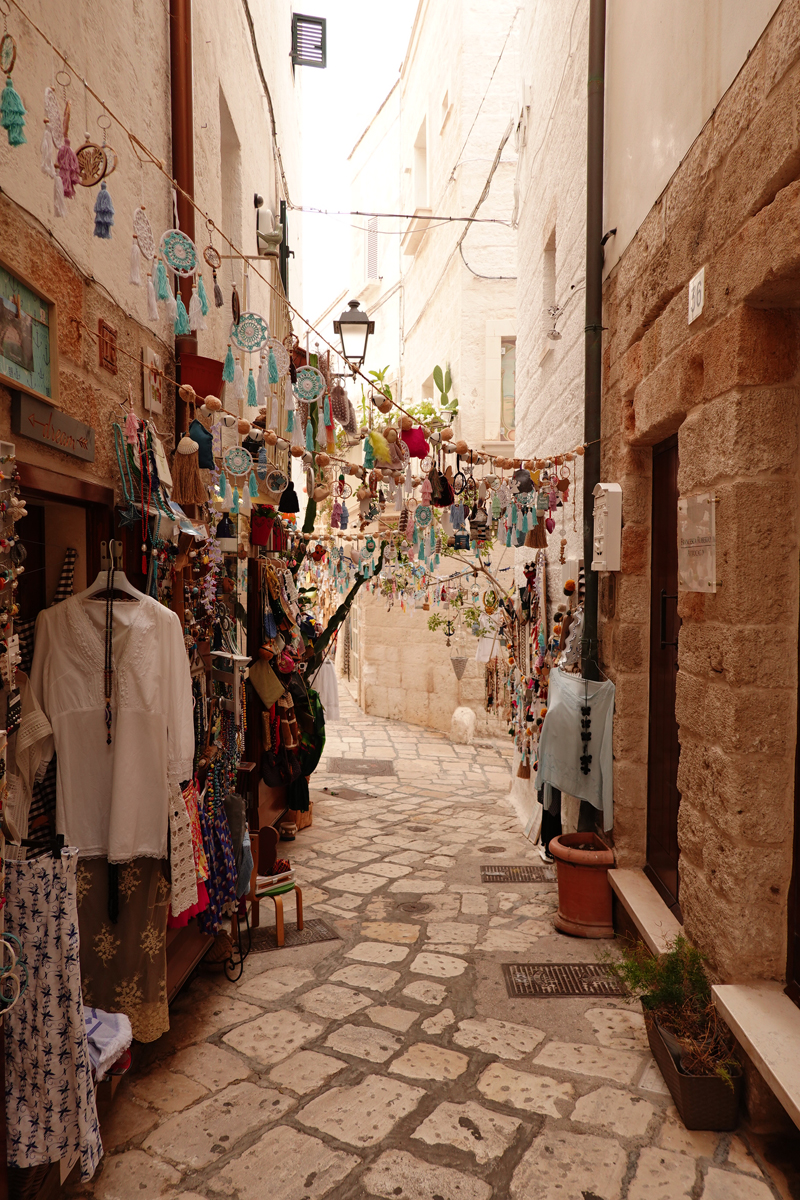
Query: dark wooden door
{"type": "Point", "coordinates": [663, 797]}
{"type": "Point", "coordinates": [793, 964]}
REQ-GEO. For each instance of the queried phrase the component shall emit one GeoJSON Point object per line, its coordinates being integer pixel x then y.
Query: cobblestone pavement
{"type": "Point", "coordinates": [391, 1063]}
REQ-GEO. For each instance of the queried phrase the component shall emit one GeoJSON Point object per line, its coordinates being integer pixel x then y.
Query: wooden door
{"type": "Point", "coordinates": [663, 797]}
{"type": "Point", "coordinates": [793, 964]}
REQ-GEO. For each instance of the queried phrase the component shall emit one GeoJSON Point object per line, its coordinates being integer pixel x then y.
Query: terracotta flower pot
{"type": "Point", "coordinates": [584, 893]}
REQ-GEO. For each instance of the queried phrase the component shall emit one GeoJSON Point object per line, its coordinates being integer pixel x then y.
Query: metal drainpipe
{"type": "Point", "coordinates": [593, 362]}
{"type": "Point", "coordinates": [180, 57]}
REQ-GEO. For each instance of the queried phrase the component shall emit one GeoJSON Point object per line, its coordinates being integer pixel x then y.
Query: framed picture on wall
{"type": "Point", "coordinates": [28, 337]}
{"type": "Point", "coordinates": [153, 381]}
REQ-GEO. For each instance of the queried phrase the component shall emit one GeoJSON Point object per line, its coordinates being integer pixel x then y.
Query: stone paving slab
{"type": "Point", "coordinates": [286, 1164]}
{"type": "Point", "coordinates": [397, 1174]}
{"type": "Point", "coordinates": [363, 1115]}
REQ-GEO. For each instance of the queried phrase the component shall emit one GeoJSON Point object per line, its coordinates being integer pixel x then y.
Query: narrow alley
{"type": "Point", "coordinates": [391, 1062]}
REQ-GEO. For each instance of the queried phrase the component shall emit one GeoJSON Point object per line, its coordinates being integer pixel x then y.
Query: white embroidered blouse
{"type": "Point", "coordinates": [113, 800]}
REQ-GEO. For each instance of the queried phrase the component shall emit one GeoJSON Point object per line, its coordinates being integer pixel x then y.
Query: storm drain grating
{"type": "Point", "coordinates": [560, 979]}
{"type": "Point", "coordinates": [500, 873]}
{"type": "Point", "coordinates": [346, 793]}
{"type": "Point", "coordinates": [264, 939]}
{"type": "Point", "coordinates": [360, 766]}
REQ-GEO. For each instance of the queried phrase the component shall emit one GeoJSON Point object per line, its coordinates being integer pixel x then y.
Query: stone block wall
{"type": "Point", "coordinates": [729, 386]}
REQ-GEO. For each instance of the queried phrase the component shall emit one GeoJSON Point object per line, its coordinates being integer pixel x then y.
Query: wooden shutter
{"type": "Point", "coordinates": [308, 41]}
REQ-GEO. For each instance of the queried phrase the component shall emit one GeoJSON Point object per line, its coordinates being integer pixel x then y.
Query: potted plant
{"type": "Point", "coordinates": [584, 893]}
{"type": "Point", "coordinates": [691, 1044]}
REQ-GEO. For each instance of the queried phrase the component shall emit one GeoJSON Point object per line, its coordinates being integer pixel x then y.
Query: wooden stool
{"type": "Point", "coordinates": [265, 845]}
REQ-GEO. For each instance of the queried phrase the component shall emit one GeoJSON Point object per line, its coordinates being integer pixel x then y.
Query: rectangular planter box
{"type": "Point", "coordinates": [703, 1101]}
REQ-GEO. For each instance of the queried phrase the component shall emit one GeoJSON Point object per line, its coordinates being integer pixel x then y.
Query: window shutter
{"type": "Point", "coordinates": [308, 41]}
{"type": "Point", "coordinates": [372, 248]}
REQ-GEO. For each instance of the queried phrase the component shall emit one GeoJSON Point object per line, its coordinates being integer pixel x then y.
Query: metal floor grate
{"type": "Point", "coordinates": [348, 793]}
{"type": "Point", "coordinates": [500, 873]}
{"type": "Point", "coordinates": [560, 979]}
{"type": "Point", "coordinates": [360, 766]}
{"type": "Point", "coordinates": [264, 938]}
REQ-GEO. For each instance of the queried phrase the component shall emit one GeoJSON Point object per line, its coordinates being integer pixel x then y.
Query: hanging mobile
{"type": "Point", "coordinates": [91, 158]}
{"type": "Point", "coordinates": [214, 260]}
{"type": "Point", "coordinates": [236, 305]}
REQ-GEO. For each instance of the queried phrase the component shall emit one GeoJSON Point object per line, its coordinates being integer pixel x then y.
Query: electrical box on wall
{"type": "Point", "coordinates": [607, 543]}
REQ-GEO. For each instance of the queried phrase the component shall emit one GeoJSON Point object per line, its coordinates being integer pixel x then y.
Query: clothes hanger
{"type": "Point", "coordinates": [111, 576]}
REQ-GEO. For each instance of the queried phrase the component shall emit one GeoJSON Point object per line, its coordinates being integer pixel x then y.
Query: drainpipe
{"type": "Point", "coordinates": [593, 362]}
{"type": "Point", "coordinates": [180, 58]}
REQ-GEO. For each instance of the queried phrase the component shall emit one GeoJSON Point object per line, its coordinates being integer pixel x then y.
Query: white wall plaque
{"type": "Point", "coordinates": [697, 543]}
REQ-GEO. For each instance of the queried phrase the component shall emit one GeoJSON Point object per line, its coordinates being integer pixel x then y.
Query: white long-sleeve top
{"type": "Point", "coordinates": [112, 800]}
{"type": "Point", "coordinates": [560, 745]}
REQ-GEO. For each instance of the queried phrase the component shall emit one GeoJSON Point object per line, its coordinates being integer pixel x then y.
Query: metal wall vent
{"type": "Point", "coordinates": [309, 41]}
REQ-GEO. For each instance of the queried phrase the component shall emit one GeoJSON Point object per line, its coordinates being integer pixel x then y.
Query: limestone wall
{"type": "Point", "coordinates": [728, 385]}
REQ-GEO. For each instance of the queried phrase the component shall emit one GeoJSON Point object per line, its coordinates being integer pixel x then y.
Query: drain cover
{"type": "Point", "coordinates": [560, 979]}
{"type": "Point", "coordinates": [346, 793]}
{"type": "Point", "coordinates": [418, 828]}
{"type": "Point", "coordinates": [491, 849]}
{"type": "Point", "coordinates": [491, 873]}
{"type": "Point", "coordinates": [360, 766]}
{"type": "Point", "coordinates": [418, 906]}
{"type": "Point", "coordinates": [312, 931]}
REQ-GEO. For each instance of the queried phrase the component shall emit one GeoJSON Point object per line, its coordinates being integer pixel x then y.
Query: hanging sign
{"type": "Point", "coordinates": [28, 338]}
{"type": "Point", "coordinates": [32, 419]}
{"type": "Point", "coordinates": [697, 543]}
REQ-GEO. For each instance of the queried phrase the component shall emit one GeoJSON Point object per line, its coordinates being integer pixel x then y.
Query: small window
{"type": "Point", "coordinates": [308, 41]}
{"type": "Point", "coordinates": [372, 248]}
{"type": "Point", "coordinates": [508, 376]}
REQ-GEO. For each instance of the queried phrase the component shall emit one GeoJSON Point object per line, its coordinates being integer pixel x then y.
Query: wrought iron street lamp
{"type": "Point", "coordinates": [354, 328]}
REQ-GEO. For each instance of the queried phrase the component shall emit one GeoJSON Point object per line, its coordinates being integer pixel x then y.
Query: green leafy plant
{"type": "Point", "coordinates": [380, 382]}
{"type": "Point", "coordinates": [435, 621]}
{"type": "Point", "coordinates": [675, 991]}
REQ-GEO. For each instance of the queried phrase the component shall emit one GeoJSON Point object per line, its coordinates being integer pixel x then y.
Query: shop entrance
{"type": "Point", "coordinates": [663, 796]}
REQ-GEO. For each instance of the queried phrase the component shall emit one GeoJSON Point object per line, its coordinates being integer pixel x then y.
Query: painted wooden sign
{"type": "Point", "coordinates": [31, 418]}
{"type": "Point", "coordinates": [28, 341]}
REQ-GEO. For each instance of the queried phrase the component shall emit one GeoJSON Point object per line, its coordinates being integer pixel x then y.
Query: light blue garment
{"type": "Point", "coordinates": [560, 745]}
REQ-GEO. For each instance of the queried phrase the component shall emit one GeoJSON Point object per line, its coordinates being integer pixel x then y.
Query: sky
{"type": "Point", "coordinates": [366, 44]}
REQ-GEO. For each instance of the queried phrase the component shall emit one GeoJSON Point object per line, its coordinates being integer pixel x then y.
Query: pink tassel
{"type": "Point", "coordinates": [68, 168]}
{"type": "Point", "coordinates": [131, 428]}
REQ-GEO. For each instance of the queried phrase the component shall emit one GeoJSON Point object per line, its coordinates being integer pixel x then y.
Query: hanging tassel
{"type": "Point", "coordinates": [289, 396]}
{"type": "Point", "coordinates": [47, 166]}
{"type": "Point", "coordinates": [162, 285]}
{"type": "Point", "coordinates": [196, 321]}
{"type": "Point", "coordinates": [297, 434]}
{"type": "Point", "coordinates": [136, 273]}
{"type": "Point", "coordinates": [219, 299]}
{"type": "Point", "coordinates": [13, 115]}
{"type": "Point", "coordinates": [59, 207]}
{"type": "Point", "coordinates": [235, 501]}
{"type": "Point", "coordinates": [238, 382]}
{"type": "Point", "coordinates": [172, 307]}
{"type": "Point", "coordinates": [152, 306]}
{"type": "Point", "coordinates": [274, 414]}
{"type": "Point", "coordinates": [222, 484]}
{"type": "Point", "coordinates": [229, 367]}
{"type": "Point", "coordinates": [202, 297]}
{"type": "Point", "coordinates": [290, 422]}
{"type": "Point", "coordinates": [310, 437]}
{"type": "Point", "coordinates": [322, 437]}
{"type": "Point", "coordinates": [344, 519]}
{"type": "Point", "coordinates": [182, 326]}
{"type": "Point", "coordinates": [68, 168]}
{"type": "Point", "coordinates": [252, 485]}
{"type": "Point", "coordinates": [326, 412]}
{"type": "Point", "coordinates": [369, 457]}
{"type": "Point", "coordinates": [262, 388]}
{"type": "Point", "coordinates": [103, 213]}
{"type": "Point", "coordinates": [272, 366]}
{"type": "Point", "coordinates": [187, 486]}
{"type": "Point", "coordinates": [524, 526]}
{"type": "Point", "coordinates": [252, 397]}
{"type": "Point", "coordinates": [131, 428]}
{"type": "Point", "coordinates": [247, 504]}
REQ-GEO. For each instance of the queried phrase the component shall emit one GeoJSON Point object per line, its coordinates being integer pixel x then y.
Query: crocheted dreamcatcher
{"type": "Point", "coordinates": [276, 481]}
{"type": "Point", "coordinates": [237, 460]}
{"type": "Point", "coordinates": [309, 385]}
{"type": "Point", "coordinates": [250, 332]}
{"type": "Point", "coordinates": [179, 252]}
{"type": "Point", "coordinates": [281, 357]}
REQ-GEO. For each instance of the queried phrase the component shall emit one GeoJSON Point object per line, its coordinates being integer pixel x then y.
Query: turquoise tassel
{"type": "Point", "coordinates": [290, 422]}
{"type": "Point", "coordinates": [252, 398]}
{"type": "Point", "coordinates": [13, 115]}
{"type": "Point", "coordinates": [272, 367]}
{"type": "Point", "coordinates": [326, 412]}
{"type": "Point", "coordinates": [310, 437]}
{"type": "Point", "coordinates": [182, 326]}
{"type": "Point", "coordinates": [229, 369]}
{"type": "Point", "coordinates": [514, 514]}
{"type": "Point", "coordinates": [369, 456]}
{"type": "Point", "coordinates": [416, 535]}
{"type": "Point", "coordinates": [202, 297]}
{"type": "Point", "coordinates": [103, 213]}
{"type": "Point", "coordinates": [222, 485]}
{"type": "Point", "coordinates": [252, 484]}
{"type": "Point", "coordinates": [524, 528]}
{"type": "Point", "coordinates": [534, 519]}
{"type": "Point", "coordinates": [235, 501]}
{"type": "Point", "coordinates": [508, 538]}
{"type": "Point", "coordinates": [162, 286]}
{"type": "Point", "coordinates": [421, 552]}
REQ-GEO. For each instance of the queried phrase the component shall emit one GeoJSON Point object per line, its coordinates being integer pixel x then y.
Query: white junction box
{"type": "Point", "coordinates": [607, 544]}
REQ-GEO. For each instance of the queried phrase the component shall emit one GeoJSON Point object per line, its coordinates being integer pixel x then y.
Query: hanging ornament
{"type": "Point", "coordinates": [252, 397]}
{"type": "Point", "coordinates": [310, 437]}
{"type": "Point", "coordinates": [162, 284]}
{"type": "Point", "coordinates": [196, 321]}
{"type": "Point", "coordinates": [238, 382]}
{"type": "Point", "coordinates": [202, 297]}
{"type": "Point", "coordinates": [187, 486]}
{"type": "Point", "coordinates": [179, 252]}
{"type": "Point", "coordinates": [103, 213]}
{"type": "Point", "coordinates": [272, 367]}
{"type": "Point", "coordinates": [152, 306]}
{"type": "Point", "coordinates": [229, 367]}
{"type": "Point", "coordinates": [250, 332]}
{"type": "Point", "coordinates": [182, 326]}
{"type": "Point", "coordinates": [236, 307]}
{"type": "Point", "coordinates": [12, 110]}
